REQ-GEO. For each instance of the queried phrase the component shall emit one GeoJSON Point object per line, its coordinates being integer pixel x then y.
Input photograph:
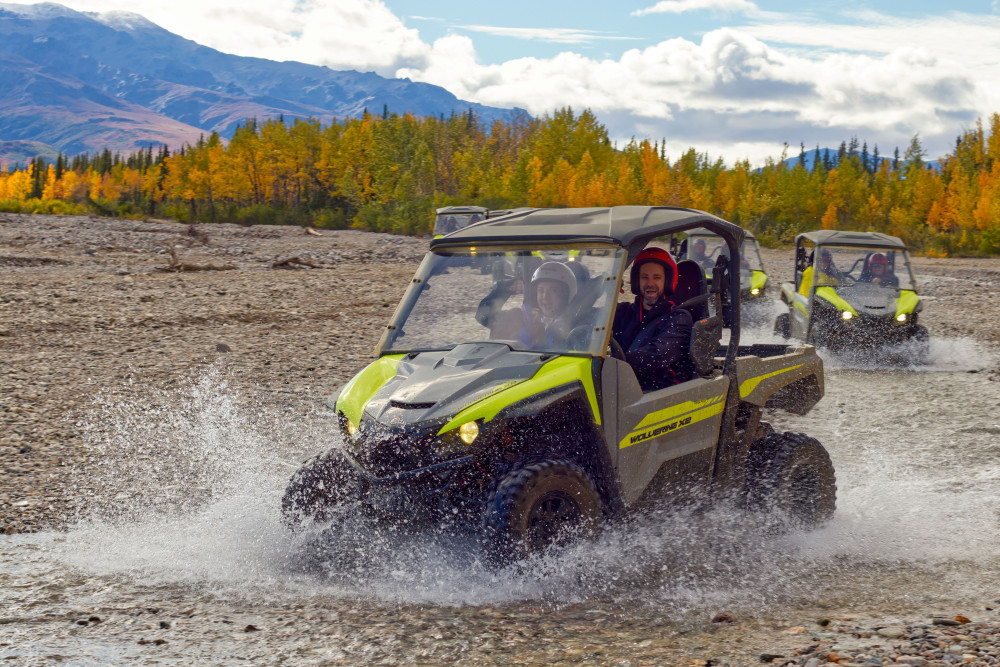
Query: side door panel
{"type": "Point", "coordinates": [664, 435]}
{"type": "Point", "coordinates": [799, 316]}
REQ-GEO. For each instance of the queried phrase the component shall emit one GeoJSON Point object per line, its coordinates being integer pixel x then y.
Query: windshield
{"type": "Point", "coordinates": [554, 299]}
{"type": "Point", "coordinates": [842, 266]}
{"type": "Point", "coordinates": [446, 223]}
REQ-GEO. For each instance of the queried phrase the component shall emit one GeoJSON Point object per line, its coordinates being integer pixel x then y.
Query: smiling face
{"type": "Point", "coordinates": [652, 283]}
{"type": "Point", "coordinates": [551, 297]}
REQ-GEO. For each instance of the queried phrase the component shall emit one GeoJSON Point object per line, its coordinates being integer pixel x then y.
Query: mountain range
{"type": "Point", "coordinates": [75, 82]}
{"type": "Point", "coordinates": [832, 155]}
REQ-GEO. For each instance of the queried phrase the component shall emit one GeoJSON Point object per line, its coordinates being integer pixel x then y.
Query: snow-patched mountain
{"type": "Point", "coordinates": [81, 81]}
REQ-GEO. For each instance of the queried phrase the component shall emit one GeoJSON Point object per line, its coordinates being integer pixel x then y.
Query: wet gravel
{"type": "Point", "coordinates": [89, 306]}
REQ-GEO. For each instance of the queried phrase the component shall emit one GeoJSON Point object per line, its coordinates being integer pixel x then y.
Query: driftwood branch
{"type": "Point", "coordinates": [179, 266]}
{"type": "Point", "coordinates": [293, 263]}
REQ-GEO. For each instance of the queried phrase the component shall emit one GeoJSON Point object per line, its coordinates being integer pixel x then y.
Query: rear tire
{"type": "Point", "coordinates": [322, 483]}
{"type": "Point", "coordinates": [790, 477]}
{"type": "Point", "coordinates": [543, 504]}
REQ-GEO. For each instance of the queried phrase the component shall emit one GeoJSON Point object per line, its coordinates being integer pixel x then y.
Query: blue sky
{"type": "Point", "coordinates": [735, 79]}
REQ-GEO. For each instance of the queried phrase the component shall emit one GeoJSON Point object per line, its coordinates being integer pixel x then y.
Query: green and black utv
{"type": "Point", "coordinates": [452, 218]}
{"type": "Point", "coordinates": [853, 292]}
{"type": "Point", "coordinates": [462, 421]}
{"type": "Point", "coordinates": [703, 247]}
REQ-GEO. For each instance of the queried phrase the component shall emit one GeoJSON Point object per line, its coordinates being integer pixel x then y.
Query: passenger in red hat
{"type": "Point", "coordinates": [654, 335]}
{"type": "Point", "coordinates": [878, 272]}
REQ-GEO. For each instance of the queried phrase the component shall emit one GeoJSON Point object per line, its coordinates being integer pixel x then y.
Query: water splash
{"type": "Point", "coordinates": [193, 480]}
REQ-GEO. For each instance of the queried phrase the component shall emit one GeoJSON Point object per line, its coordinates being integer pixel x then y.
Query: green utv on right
{"type": "Point", "coordinates": [853, 292]}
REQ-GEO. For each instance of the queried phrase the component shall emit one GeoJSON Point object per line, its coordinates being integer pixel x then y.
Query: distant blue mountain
{"type": "Point", "coordinates": [811, 156]}
{"type": "Point", "coordinates": [81, 81]}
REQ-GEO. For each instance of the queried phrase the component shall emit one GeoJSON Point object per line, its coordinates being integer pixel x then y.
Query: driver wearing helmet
{"type": "Point", "coordinates": [829, 274]}
{"type": "Point", "coordinates": [552, 288]}
{"type": "Point", "coordinates": [877, 272]}
{"type": "Point", "coordinates": [698, 254]}
{"type": "Point", "coordinates": [652, 332]}
{"type": "Point", "coordinates": [543, 320]}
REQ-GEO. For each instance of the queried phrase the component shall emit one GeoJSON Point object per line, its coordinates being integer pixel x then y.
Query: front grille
{"type": "Point", "coordinates": [386, 451]}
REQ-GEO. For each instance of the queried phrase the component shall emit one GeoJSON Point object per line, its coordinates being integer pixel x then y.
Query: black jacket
{"type": "Point", "coordinates": [656, 342]}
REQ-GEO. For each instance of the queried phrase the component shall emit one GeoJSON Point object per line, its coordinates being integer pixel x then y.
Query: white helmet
{"type": "Point", "coordinates": [559, 273]}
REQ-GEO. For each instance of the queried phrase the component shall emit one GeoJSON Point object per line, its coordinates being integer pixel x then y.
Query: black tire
{"type": "Point", "coordinates": [922, 340]}
{"type": "Point", "coordinates": [790, 477]}
{"type": "Point", "coordinates": [783, 326]}
{"type": "Point", "coordinates": [323, 483]}
{"type": "Point", "coordinates": [543, 504]}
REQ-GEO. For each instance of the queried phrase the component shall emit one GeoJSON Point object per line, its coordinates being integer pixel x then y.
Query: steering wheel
{"type": "Point", "coordinates": [578, 336]}
{"type": "Point", "coordinates": [616, 349]}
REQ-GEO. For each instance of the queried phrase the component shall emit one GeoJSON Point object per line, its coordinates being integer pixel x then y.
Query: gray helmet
{"type": "Point", "coordinates": [559, 273]}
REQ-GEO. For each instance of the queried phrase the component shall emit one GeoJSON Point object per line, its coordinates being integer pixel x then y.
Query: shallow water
{"type": "Point", "coordinates": [187, 532]}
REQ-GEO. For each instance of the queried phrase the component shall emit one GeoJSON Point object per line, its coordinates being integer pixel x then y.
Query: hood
{"type": "Point", "coordinates": [436, 385]}
{"type": "Point", "coordinates": [871, 300]}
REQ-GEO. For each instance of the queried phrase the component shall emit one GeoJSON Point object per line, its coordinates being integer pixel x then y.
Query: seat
{"type": "Point", "coordinates": [691, 292]}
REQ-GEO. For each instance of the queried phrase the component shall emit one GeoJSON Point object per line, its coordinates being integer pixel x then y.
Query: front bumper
{"type": "Point", "coordinates": [863, 332]}
{"type": "Point", "coordinates": [413, 473]}
{"type": "Point", "coordinates": [427, 493]}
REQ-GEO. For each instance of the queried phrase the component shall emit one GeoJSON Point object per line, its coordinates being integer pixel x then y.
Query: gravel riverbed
{"type": "Point", "coordinates": [94, 312]}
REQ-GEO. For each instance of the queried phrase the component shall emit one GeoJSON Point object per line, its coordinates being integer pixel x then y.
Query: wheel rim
{"type": "Point", "coordinates": [552, 519]}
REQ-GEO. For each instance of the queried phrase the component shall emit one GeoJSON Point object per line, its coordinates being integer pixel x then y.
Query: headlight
{"type": "Point", "coordinates": [847, 315]}
{"type": "Point", "coordinates": [755, 291]}
{"type": "Point", "coordinates": [468, 432]}
{"type": "Point", "coordinates": [347, 427]}
{"type": "Point", "coordinates": [901, 317]}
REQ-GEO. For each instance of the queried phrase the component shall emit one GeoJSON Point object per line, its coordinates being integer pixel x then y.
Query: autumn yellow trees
{"type": "Point", "coordinates": [389, 173]}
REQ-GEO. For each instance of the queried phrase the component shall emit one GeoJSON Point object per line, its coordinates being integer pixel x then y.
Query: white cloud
{"type": "Point", "coordinates": [681, 6]}
{"type": "Point", "coordinates": [343, 34]}
{"type": "Point", "coordinates": [555, 35]}
{"type": "Point", "coordinates": [732, 92]}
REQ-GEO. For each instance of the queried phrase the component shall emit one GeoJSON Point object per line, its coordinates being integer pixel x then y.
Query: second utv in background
{"type": "Point", "coordinates": [704, 247]}
{"type": "Point", "coordinates": [853, 291]}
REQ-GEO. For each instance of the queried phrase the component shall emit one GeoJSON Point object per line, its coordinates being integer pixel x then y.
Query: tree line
{"type": "Point", "coordinates": [389, 172]}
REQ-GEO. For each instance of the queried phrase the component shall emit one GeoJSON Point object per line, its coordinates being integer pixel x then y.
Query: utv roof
{"type": "Point", "coordinates": [701, 231]}
{"type": "Point", "coordinates": [462, 209]}
{"type": "Point", "coordinates": [628, 226]}
{"type": "Point", "coordinates": [834, 237]}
